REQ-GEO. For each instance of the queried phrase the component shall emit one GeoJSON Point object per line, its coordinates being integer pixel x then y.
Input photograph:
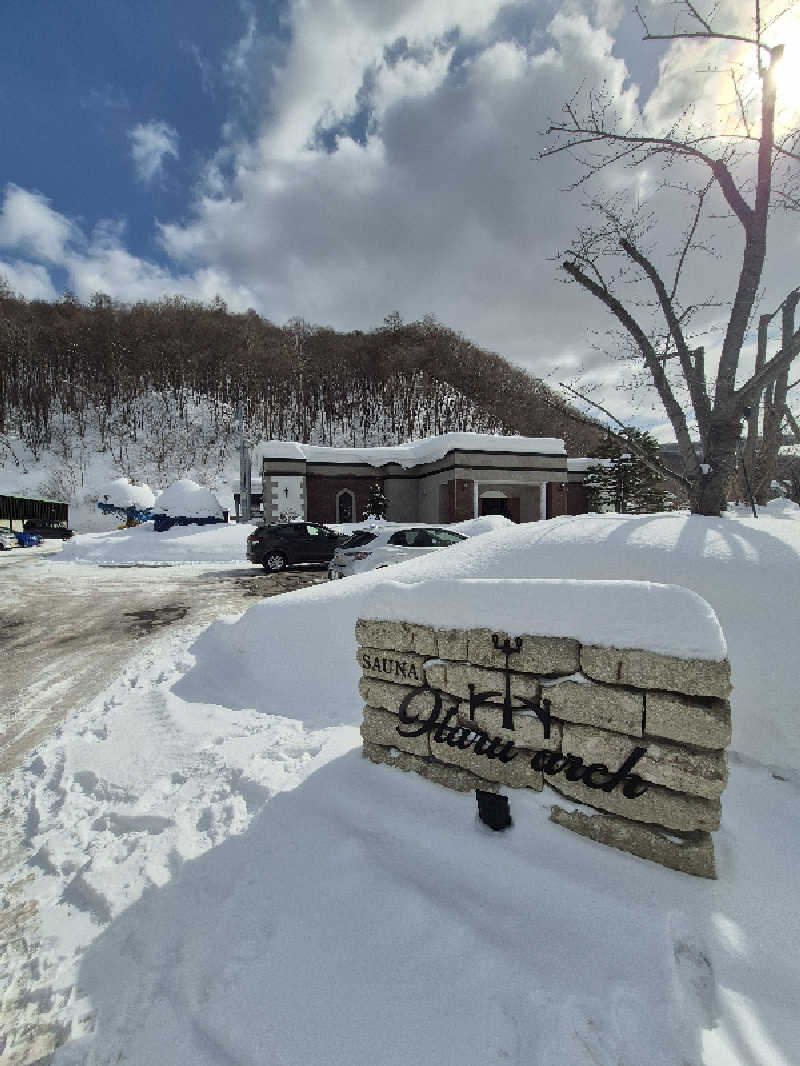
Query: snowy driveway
{"type": "Point", "coordinates": [67, 630]}
{"type": "Point", "coordinates": [106, 644]}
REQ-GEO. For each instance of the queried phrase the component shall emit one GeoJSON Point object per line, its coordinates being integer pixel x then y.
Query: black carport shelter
{"type": "Point", "coordinates": [21, 509]}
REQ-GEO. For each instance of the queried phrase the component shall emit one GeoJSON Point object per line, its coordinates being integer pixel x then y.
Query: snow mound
{"type": "Point", "coordinates": [187, 499]}
{"type": "Point", "coordinates": [121, 492]}
{"type": "Point", "coordinates": [221, 543]}
{"type": "Point", "coordinates": [746, 569]}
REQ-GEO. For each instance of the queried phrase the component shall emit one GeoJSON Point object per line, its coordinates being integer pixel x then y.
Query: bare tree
{"type": "Point", "coordinates": [747, 170]}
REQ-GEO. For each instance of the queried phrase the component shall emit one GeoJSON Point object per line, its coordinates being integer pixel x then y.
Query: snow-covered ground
{"type": "Point", "coordinates": [225, 543]}
{"type": "Point", "coordinates": [222, 879]}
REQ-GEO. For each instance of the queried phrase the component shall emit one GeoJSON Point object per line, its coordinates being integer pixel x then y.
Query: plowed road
{"type": "Point", "coordinates": [67, 630]}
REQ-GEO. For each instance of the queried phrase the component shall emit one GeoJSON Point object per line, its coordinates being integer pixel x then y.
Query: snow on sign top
{"type": "Point", "coordinates": [428, 450]}
{"type": "Point", "coordinates": [667, 619]}
{"type": "Point", "coordinates": [187, 499]}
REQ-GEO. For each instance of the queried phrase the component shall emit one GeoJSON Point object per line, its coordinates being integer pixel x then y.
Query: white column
{"type": "Point", "coordinates": [475, 499]}
{"type": "Point", "coordinates": [543, 501]}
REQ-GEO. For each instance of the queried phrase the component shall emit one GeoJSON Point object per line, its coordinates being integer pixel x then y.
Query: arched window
{"type": "Point", "coordinates": [345, 506]}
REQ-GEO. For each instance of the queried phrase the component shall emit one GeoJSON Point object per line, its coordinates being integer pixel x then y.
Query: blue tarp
{"type": "Point", "coordinates": [163, 522]}
{"type": "Point", "coordinates": [137, 513]}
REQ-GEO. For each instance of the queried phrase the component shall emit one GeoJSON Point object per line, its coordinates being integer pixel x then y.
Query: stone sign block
{"type": "Point", "coordinates": [637, 735]}
{"type": "Point", "coordinates": [604, 706]}
{"type": "Point", "coordinates": [676, 718]}
{"type": "Point", "coordinates": [456, 678]}
{"type": "Point", "coordinates": [698, 772]}
{"type": "Point", "coordinates": [382, 694]}
{"type": "Point", "coordinates": [399, 636]}
{"type": "Point", "coordinates": [514, 774]}
{"type": "Point", "coordinates": [648, 669]}
{"type": "Point", "coordinates": [548, 656]}
{"type": "Point", "coordinates": [451, 644]}
{"type": "Point", "coordinates": [401, 666]}
{"type": "Point", "coordinates": [691, 853]}
{"type": "Point", "coordinates": [528, 731]}
{"type": "Point", "coordinates": [380, 727]}
{"type": "Point", "coordinates": [660, 806]}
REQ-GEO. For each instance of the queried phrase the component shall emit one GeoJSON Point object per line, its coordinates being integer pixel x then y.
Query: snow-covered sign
{"type": "Point", "coordinates": [613, 693]}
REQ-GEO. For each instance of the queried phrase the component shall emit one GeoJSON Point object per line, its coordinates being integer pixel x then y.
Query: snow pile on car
{"type": "Point", "coordinates": [122, 493]}
{"type": "Point", "coordinates": [187, 499]}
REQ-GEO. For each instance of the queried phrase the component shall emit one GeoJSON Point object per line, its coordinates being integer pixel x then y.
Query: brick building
{"type": "Point", "coordinates": [440, 479]}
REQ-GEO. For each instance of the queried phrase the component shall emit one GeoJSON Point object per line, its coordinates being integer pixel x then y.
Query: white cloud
{"type": "Point", "coordinates": [29, 224]}
{"type": "Point", "coordinates": [151, 143]}
{"type": "Point", "coordinates": [444, 208]}
{"type": "Point", "coordinates": [27, 279]}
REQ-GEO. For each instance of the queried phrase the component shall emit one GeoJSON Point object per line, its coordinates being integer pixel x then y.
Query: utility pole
{"type": "Point", "coordinates": [245, 472]}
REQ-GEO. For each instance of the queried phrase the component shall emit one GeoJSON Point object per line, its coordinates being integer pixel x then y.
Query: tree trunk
{"type": "Point", "coordinates": [709, 494]}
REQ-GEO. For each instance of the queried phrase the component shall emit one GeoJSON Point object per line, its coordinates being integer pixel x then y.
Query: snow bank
{"type": "Point", "coordinates": [614, 614]}
{"type": "Point", "coordinates": [364, 916]}
{"type": "Point", "coordinates": [746, 569]}
{"type": "Point", "coordinates": [415, 452]}
{"type": "Point", "coordinates": [367, 917]}
{"type": "Point", "coordinates": [187, 499]}
{"type": "Point", "coordinates": [223, 543]}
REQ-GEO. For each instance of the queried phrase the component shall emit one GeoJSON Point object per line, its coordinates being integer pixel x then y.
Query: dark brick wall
{"type": "Point", "coordinates": [569, 498]}
{"type": "Point", "coordinates": [321, 496]}
{"type": "Point", "coordinates": [460, 500]}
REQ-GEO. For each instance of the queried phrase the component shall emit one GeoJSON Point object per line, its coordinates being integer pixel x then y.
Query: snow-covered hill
{"type": "Point", "coordinates": [160, 438]}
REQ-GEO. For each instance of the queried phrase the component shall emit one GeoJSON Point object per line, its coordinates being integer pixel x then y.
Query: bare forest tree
{"type": "Point", "coordinates": [742, 168]}
{"type": "Point", "coordinates": [157, 384]}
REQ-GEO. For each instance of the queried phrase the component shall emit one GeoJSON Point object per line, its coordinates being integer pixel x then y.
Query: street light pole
{"type": "Point", "coordinates": [245, 471]}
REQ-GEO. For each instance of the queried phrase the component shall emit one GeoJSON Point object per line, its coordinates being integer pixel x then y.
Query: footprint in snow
{"type": "Point", "coordinates": [694, 985]}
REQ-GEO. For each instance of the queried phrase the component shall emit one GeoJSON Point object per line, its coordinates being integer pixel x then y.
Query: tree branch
{"type": "Point", "coordinates": [768, 373]}
{"type": "Point", "coordinates": [580, 135]}
{"type": "Point", "coordinates": [673, 408]}
{"type": "Point", "coordinates": [623, 438]}
{"type": "Point", "coordinates": [697, 388]}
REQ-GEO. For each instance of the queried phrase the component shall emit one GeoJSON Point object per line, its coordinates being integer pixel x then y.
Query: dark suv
{"type": "Point", "coordinates": [48, 531]}
{"type": "Point", "coordinates": [277, 546]}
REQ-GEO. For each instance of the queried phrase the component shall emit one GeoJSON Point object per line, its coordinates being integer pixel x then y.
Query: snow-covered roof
{"type": "Point", "coordinates": [121, 493]}
{"type": "Point", "coordinates": [414, 453]}
{"type": "Point", "coordinates": [187, 499]}
{"type": "Point", "coordinates": [580, 466]}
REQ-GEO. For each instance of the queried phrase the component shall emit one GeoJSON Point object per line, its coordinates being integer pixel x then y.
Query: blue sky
{"type": "Point", "coordinates": [335, 159]}
{"type": "Point", "coordinates": [78, 77]}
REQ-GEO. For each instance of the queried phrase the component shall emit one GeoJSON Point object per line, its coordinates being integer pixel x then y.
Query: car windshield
{"type": "Point", "coordinates": [440, 538]}
{"type": "Point", "coordinates": [359, 538]}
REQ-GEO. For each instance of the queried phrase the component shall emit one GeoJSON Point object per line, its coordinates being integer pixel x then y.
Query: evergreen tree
{"type": "Point", "coordinates": [376, 502]}
{"type": "Point", "coordinates": [623, 482]}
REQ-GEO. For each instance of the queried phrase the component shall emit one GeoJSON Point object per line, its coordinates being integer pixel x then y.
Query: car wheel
{"type": "Point", "coordinates": [274, 562]}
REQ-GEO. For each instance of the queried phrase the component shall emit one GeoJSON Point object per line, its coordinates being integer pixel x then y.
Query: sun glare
{"type": "Point", "coordinates": [785, 31]}
{"type": "Point", "coordinates": [788, 69]}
